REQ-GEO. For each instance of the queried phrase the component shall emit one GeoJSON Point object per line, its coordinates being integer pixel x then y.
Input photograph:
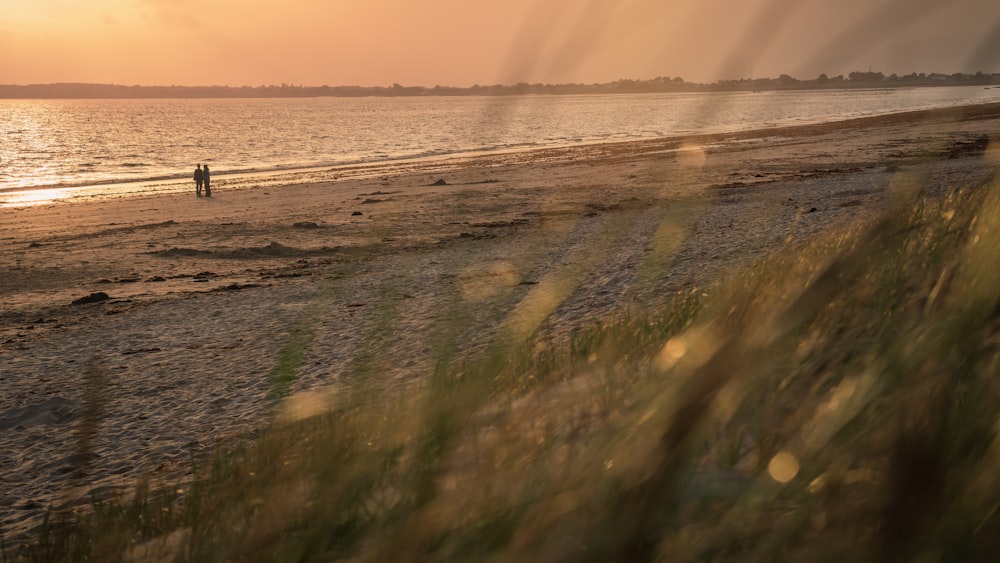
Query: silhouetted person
{"type": "Point", "coordinates": [198, 179]}
{"type": "Point", "coordinates": [207, 178]}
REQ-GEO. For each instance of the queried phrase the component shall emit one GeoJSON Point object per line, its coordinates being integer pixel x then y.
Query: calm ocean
{"type": "Point", "coordinates": [153, 144]}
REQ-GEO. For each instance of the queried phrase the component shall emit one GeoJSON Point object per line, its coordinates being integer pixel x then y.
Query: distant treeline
{"type": "Point", "coordinates": [624, 86]}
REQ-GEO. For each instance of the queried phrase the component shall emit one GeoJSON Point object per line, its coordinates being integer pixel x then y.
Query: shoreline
{"type": "Point", "coordinates": [369, 273]}
{"type": "Point", "coordinates": [21, 196]}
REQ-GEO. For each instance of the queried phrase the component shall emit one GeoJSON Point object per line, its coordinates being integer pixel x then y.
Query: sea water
{"type": "Point", "coordinates": [154, 145]}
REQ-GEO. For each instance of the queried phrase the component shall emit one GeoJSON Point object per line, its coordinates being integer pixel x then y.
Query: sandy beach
{"type": "Point", "coordinates": [137, 332]}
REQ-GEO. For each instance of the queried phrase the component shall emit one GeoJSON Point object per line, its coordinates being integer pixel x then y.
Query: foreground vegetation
{"type": "Point", "coordinates": [837, 402]}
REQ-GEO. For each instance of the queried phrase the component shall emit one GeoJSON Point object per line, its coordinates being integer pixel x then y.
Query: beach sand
{"type": "Point", "coordinates": [372, 269]}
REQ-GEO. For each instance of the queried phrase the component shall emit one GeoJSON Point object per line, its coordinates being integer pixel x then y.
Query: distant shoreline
{"type": "Point", "coordinates": [855, 80]}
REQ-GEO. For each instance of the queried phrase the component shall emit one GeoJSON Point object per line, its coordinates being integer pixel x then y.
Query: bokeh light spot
{"type": "Point", "coordinates": [691, 157]}
{"type": "Point", "coordinates": [783, 467]}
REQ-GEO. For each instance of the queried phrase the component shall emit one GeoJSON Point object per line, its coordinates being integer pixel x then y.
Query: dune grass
{"type": "Point", "coordinates": [839, 401]}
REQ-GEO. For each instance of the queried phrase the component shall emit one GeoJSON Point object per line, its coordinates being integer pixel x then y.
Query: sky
{"type": "Point", "coordinates": [467, 42]}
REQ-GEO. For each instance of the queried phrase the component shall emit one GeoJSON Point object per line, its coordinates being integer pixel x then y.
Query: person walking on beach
{"type": "Point", "coordinates": [206, 177]}
{"type": "Point", "coordinates": [198, 179]}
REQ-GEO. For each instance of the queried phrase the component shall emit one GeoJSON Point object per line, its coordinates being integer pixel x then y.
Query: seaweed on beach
{"type": "Point", "coordinates": [271, 250]}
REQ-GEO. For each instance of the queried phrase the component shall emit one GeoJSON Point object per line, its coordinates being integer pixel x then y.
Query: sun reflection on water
{"type": "Point", "coordinates": [32, 197]}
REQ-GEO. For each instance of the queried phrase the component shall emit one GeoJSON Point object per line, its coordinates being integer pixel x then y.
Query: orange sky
{"type": "Point", "coordinates": [465, 42]}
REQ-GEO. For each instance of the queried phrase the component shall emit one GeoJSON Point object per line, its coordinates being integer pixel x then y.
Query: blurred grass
{"type": "Point", "coordinates": [838, 401]}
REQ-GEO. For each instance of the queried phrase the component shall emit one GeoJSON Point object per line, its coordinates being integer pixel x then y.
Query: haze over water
{"type": "Point", "coordinates": [60, 143]}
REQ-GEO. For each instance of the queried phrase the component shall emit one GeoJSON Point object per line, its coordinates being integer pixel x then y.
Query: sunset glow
{"type": "Point", "coordinates": [461, 43]}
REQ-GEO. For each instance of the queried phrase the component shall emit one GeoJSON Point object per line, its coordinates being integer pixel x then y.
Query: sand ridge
{"type": "Point", "coordinates": [372, 268]}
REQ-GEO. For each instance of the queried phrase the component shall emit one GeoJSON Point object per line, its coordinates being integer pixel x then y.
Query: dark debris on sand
{"type": "Point", "coordinates": [92, 298]}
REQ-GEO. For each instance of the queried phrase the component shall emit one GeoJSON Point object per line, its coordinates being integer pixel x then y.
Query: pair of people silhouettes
{"type": "Point", "coordinates": [202, 177]}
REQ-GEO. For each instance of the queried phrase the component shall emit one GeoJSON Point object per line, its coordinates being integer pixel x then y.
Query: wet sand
{"type": "Point", "coordinates": [193, 299]}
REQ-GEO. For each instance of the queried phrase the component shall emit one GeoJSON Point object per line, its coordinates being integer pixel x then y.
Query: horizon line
{"type": "Point", "coordinates": [509, 85]}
